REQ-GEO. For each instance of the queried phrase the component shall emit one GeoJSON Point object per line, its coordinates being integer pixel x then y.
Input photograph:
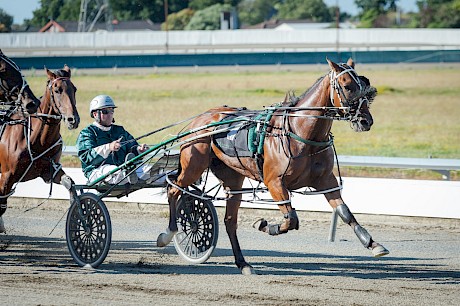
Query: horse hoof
{"type": "Point", "coordinates": [260, 224]}
{"type": "Point", "coordinates": [165, 238]}
{"type": "Point", "coordinates": [247, 270]}
{"type": "Point", "coordinates": [162, 240]}
{"type": "Point", "coordinates": [379, 251]}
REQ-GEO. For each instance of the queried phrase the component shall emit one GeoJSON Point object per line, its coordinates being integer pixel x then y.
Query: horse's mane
{"type": "Point", "coordinates": [291, 99]}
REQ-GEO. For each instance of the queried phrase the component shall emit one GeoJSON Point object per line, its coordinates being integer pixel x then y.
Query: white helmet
{"type": "Point", "coordinates": [100, 102]}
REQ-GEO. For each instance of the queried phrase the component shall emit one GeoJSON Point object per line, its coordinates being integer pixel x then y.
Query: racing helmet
{"type": "Point", "coordinates": [100, 102]}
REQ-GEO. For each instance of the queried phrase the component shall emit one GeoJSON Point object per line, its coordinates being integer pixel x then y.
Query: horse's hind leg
{"type": "Point", "coordinates": [194, 160]}
{"type": "Point", "coordinates": [231, 180]}
{"type": "Point", "coordinates": [336, 202]}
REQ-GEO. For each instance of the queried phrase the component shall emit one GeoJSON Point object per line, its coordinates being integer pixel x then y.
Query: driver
{"type": "Point", "coordinates": [102, 146]}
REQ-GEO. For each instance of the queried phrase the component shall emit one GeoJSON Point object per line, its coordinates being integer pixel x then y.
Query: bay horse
{"type": "Point", "coordinates": [33, 149]}
{"type": "Point", "coordinates": [15, 94]}
{"type": "Point", "coordinates": [297, 153]}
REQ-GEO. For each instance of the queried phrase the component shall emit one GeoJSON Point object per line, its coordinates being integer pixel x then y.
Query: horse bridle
{"type": "Point", "coordinates": [351, 108]}
{"type": "Point", "coordinates": [53, 102]}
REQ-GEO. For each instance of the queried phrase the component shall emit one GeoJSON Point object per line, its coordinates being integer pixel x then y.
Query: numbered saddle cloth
{"type": "Point", "coordinates": [244, 139]}
{"type": "Point", "coordinates": [235, 141]}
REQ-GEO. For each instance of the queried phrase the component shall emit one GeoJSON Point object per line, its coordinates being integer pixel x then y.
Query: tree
{"type": "Point", "coordinates": [5, 21]}
{"type": "Point", "coordinates": [314, 10]}
{"type": "Point", "coordinates": [256, 11]}
{"type": "Point", "coordinates": [203, 4]}
{"type": "Point", "coordinates": [372, 10]}
{"type": "Point", "coordinates": [138, 10]}
{"type": "Point", "coordinates": [438, 14]}
{"type": "Point", "coordinates": [207, 19]}
{"type": "Point", "coordinates": [179, 20]}
{"type": "Point", "coordinates": [49, 10]}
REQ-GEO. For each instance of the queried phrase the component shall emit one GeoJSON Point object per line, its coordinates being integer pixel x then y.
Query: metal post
{"type": "Point", "coordinates": [333, 226]}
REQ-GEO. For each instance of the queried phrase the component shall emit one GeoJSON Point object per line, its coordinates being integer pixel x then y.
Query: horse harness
{"type": "Point", "coordinates": [27, 122]}
{"type": "Point", "coordinates": [259, 126]}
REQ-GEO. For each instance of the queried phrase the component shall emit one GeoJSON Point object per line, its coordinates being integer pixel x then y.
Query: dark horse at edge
{"type": "Point", "coordinates": [299, 154]}
{"type": "Point", "coordinates": [14, 90]}
{"type": "Point", "coordinates": [33, 148]}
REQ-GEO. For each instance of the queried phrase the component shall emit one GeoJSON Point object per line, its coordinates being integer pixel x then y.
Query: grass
{"type": "Point", "coordinates": [416, 113]}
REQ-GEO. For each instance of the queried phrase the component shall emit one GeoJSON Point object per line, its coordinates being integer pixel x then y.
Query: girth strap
{"type": "Point", "coordinates": [329, 142]}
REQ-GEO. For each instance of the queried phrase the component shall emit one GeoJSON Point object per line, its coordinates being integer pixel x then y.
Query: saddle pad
{"type": "Point", "coordinates": [234, 142]}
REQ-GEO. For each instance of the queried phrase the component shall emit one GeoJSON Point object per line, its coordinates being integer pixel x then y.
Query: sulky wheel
{"type": "Point", "coordinates": [198, 229]}
{"type": "Point", "coordinates": [88, 230]}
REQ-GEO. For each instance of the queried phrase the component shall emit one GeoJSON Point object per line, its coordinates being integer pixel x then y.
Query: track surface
{"type": "Point", "coordinates": [300, 268]}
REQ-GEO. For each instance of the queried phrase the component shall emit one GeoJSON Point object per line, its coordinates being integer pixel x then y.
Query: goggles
{"type": "Point", "coordinates": [107, 111]}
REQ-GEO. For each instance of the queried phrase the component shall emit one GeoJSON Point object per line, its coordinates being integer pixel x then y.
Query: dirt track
{"type": "Point", "coordinates": [298, 268]}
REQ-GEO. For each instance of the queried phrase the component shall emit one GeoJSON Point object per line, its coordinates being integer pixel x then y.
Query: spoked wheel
{"type": "Point", "coordinates": [88, 230]}
{"type": "Point", "coordinates": [198, 229]}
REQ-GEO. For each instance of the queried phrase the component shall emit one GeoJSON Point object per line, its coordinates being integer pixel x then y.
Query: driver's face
{"type": "Point", "coordinates": [106, 116]}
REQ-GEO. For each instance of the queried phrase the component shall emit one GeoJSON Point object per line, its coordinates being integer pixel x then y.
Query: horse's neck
{"type": "Point", "coordinates": [305, 124]}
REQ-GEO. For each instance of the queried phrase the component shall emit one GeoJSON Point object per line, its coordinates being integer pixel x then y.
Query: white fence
{"type": "Point", "coordinates": [423, 198]}
{"type": "Point", "coordinates": [159, 42]}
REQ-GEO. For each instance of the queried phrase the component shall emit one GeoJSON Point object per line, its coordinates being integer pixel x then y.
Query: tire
{"type": "Point", "coordinates": [198, 229]}
{"type": "Point", "coordinates": [88, 247]}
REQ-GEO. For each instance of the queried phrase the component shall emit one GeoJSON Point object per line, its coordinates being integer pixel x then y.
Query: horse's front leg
{"type": "Point", "coordinates": [2, 211]}
{"type": "Point", "coordinates": [279, 194]}
{"type": "Point", "coordinates": [6, 185]}
{"type": "Point", "coordinates": [337, 203]}
{"type": "Point", "coordinates": [62, 178]}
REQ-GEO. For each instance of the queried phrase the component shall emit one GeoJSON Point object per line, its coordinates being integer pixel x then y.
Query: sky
{"type": "Point", "coordinates": [22, 9]}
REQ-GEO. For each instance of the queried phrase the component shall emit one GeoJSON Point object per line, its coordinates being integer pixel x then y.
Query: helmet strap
{"type": "Point", "coordinates": [98, 116]}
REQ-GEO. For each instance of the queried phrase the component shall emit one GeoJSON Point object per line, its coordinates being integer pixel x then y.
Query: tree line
{"type": "Point", "coordinates": [205, 14]}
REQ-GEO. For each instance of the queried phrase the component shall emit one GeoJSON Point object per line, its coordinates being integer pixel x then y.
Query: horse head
{"type": "Point", "coordinates": [13, 86]}
{"type": "Point", "coordinates": [352, 93]}
{"type": "Point", "coordinates": [61, 94]}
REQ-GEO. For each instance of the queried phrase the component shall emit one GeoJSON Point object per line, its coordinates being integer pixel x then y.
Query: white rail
{"type": "Point", "coordinates": [441, 165]}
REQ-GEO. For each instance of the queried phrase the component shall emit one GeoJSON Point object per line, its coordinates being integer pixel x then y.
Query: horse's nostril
{"type": "Point", "coordinates": [70, 120]}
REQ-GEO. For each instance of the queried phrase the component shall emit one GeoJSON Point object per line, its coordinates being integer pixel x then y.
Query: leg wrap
{"type": "Point", "coordinates": [2, 209]}
{"type": "Point", "coordinates": [293, 219]}
{"type": "Point", "coordinates": [69, 184]}
{"type": "Point", "coordinates": [274, 229]}
{"type": "Point", "coordinates": [344, 213]}
{"type": "Point", "coordinates": [363, 235]}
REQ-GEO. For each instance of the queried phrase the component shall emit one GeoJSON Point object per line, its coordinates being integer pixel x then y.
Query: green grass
{"type": "Point", "coordinates": [416, 114]}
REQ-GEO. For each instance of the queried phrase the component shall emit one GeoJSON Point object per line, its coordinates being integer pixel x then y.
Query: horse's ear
{"type": "Point", "coordinates": [51, 75]}
{"type": "Point", "coordinates": [333, 65]}
{"type": "Point", "coordinates": [1, 52]}
{"type": "Point", "coordinates": [67, 68]}
{"type": "Point", "coordinates": [351, 63]}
